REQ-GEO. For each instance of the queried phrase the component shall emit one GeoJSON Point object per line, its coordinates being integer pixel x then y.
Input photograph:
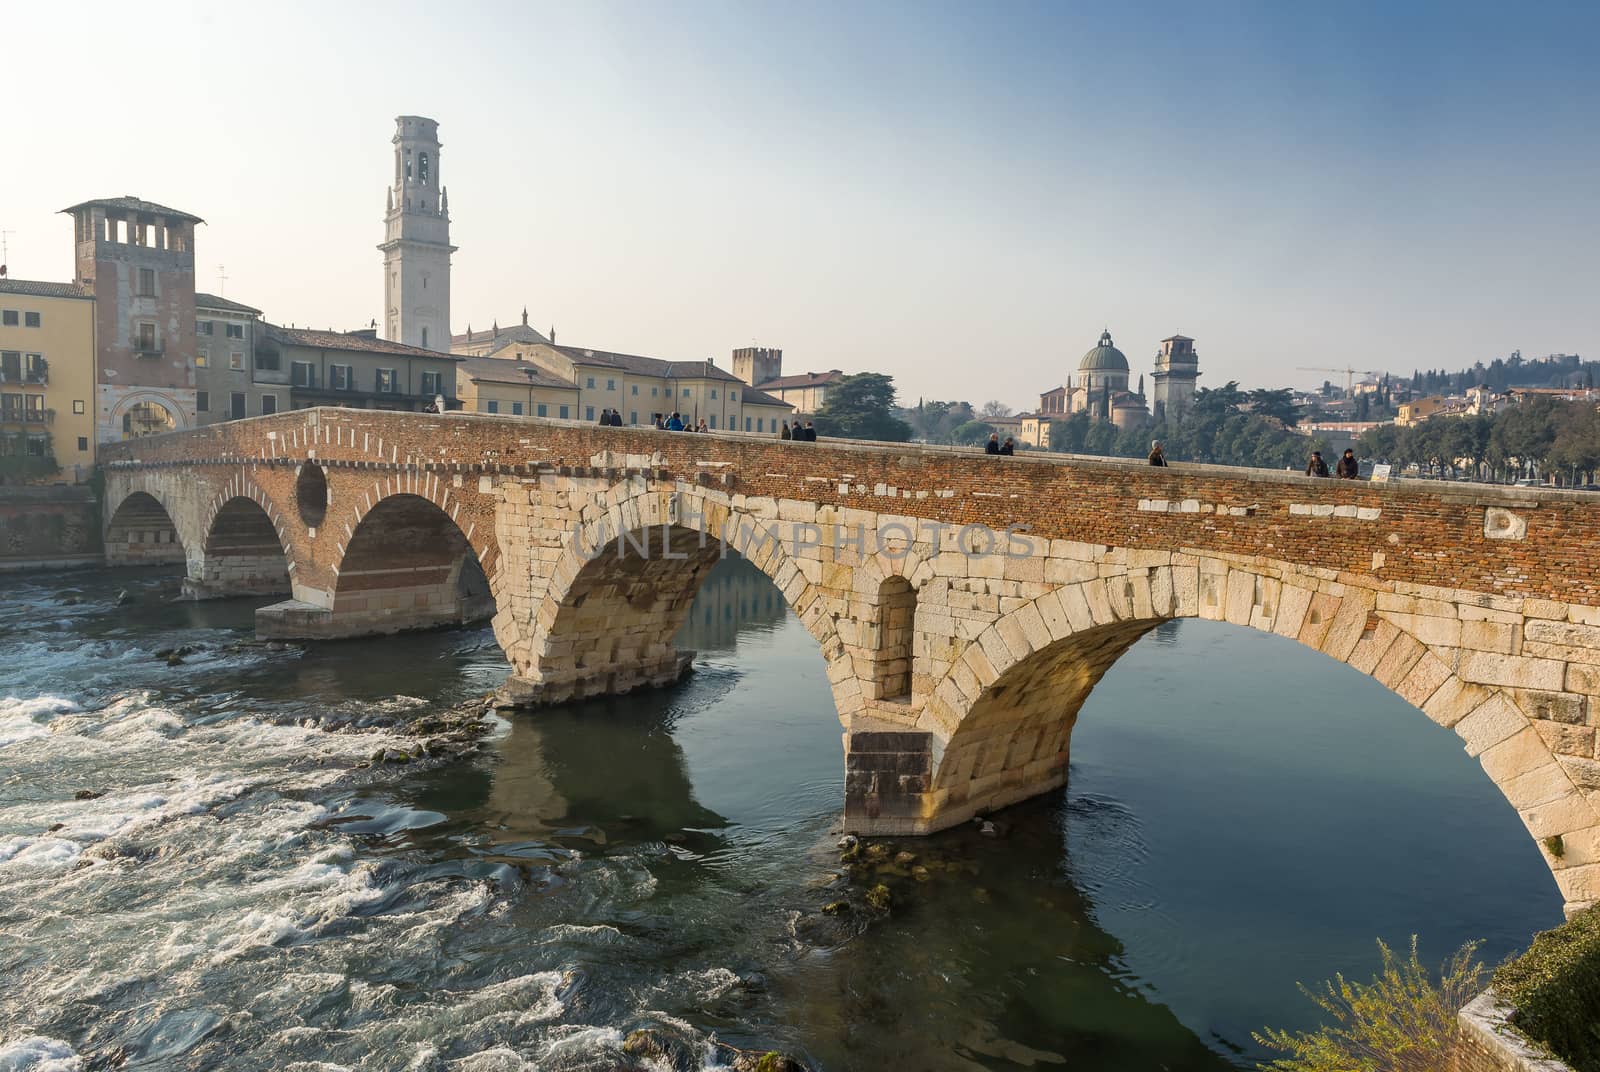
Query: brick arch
{"type": "Point", "coordinates": [243, 486]}
{"type": "Point", "coordinates": [179, 530]}
{"type": "Point", "coordinates": [405, 561]}
{"type": "Point", "coordinates": [351, 503]}
{"type": "Point", "coordinates": [688, 514]}
{"type": "Point", "coordinates": [1006, 708]}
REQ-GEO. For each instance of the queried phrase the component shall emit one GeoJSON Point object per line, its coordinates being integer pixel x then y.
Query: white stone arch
{"type": "Point", "coordinates": [633, 505]}
{"type": "Point", "coordinates": [993, 750]}
{"type": "Point", "coordinates": [167, 401]}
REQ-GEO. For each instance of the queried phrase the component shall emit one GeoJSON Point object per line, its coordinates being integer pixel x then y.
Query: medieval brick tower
{"type": "Point", "coordinates": [416, 247]}
{"type": "Point", "coordinates": [1177, 369]}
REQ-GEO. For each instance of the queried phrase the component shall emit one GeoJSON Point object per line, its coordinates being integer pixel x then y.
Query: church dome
{"type": "Point", "coordinates": [1104, 358]}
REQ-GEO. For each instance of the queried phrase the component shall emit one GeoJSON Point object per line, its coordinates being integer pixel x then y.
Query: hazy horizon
{"type": "Point", "coordinates": [961, 197]}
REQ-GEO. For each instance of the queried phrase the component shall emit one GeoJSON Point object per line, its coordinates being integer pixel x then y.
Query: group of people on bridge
{"type": "Point", "coordinates": [994, 446]}
{"type": "Point", "coordinates": [1347, 468]}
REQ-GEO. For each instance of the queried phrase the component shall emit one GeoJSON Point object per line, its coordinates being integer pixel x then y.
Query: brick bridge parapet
{"type": "Point", "coordinates": [965, 605]}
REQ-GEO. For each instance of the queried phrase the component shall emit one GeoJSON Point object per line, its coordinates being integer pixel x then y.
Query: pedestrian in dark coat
{"type": "Point", "coordinates": [811, 432]}
{"type": "Point", "coordinates": [1008, 448]}
{"type": "Point", "coordinates": [616, 418]}
{"type": "Point", "coordinates": [1349, 468]}
{"type": "Point", "coordinates": [993, 446]}
{"type": "Point", "coordinates": [1157, 455]}
{"type": "Point", "coordinates": [783, 429]}
{"type": "Point", "coordinates": [1316, 466]}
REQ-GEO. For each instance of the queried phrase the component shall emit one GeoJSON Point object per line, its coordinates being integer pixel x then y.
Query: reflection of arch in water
{"type": "Point", "coordinates": [141, 532]}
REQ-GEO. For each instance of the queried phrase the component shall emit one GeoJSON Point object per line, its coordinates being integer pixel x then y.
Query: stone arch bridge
{"type": "Point", "coordinates": [965, 605]}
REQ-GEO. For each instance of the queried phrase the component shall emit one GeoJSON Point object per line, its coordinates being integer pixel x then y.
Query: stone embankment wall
{"type": "Point", "coordinates": [45, 527]}
{"type": "Point", "coordinates": [1489, 1044]}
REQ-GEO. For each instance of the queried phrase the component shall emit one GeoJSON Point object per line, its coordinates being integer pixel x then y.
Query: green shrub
{"type": "Point", "coordinates": [1400, 1022]}
{"type": "Point", "coordinates": [1555, 989]}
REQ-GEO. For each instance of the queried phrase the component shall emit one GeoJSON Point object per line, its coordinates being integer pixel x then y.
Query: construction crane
{"type": "Point", "coordinates": [1349, 375]}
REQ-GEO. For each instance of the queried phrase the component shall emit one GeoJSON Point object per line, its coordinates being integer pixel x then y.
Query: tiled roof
{"type": "Point", "coordinates": [499, 370]}
{"type": "Point", "coordinates": [646, 366]}
{"type": "Point", "coordinates": [212, 301]}
{"type": "Point", "coordinates": [38, 289]}
{"type": "Point", "coordinates": [130, 203]}
{"type": "Point", "coordinates": [340, 340]}
{"type": "Point", "coordinates": [755, 397]}
{"type": "Point", "coordinates": [804, 379]}
{"type": "Point", "coordinates": [504, 337]}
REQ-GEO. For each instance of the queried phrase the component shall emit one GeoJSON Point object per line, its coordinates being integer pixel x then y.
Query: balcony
{"type": "Point", "coordinates": [153, 350]}
{"type": "Point", "coordinates": [38, 416]}
{"type": "Point", "coordinates": [36, 376]}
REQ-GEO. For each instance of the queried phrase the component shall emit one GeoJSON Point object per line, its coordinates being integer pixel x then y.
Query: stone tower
{"type": "Point", "coordinates": [756, 365]}
{"type": "Point", "coordinates": [416, 246]}
{"type": "Point", "coordinates": [1177, 369]}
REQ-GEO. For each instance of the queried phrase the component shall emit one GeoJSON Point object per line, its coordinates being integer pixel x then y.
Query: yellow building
{"type": "Point", "coordinates": [1410, 413]}
{"type": "Point", "coordinates": [47, 373]}
{"type": "Point", "coordinates": [513, 388]}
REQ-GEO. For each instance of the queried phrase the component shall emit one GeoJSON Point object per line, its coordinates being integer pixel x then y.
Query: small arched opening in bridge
{"type": "Point", "coordinates": [408, 566]}
{"type": "Point", "coordinates": [897, 610]}
{"type": "Point", "coordinates": [311, 494]}
{"type": "Point", "coordinates": [141, 533]}
{"type": "Point", "coordinates": [243, 555]}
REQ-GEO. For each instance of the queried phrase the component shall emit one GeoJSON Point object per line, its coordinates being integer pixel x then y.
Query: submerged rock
{"type": "Point", "coordinates": [88, 794]}
{"type": "Point", "coordinates": [125, 597]}
{"type": "Point", "coordinates": [836, 908]}
{"type": "Point", "coordinates": [905, 859]}
{"type": "Point", "coordinates": [879, 897]}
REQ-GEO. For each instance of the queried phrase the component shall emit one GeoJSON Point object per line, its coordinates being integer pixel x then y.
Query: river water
{"type": "Point", "coordinates": [248, 892]}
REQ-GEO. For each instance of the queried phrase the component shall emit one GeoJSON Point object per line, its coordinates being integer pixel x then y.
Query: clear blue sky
{"type": "Point", "coordinates": [959, 195]}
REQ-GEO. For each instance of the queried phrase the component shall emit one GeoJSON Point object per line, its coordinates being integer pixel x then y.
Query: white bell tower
{"type": "Point", "coordinates": [416, 247]}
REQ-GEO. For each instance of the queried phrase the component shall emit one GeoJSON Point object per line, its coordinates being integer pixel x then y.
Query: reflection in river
{"type": "Point", "coordinates": [240, 889]}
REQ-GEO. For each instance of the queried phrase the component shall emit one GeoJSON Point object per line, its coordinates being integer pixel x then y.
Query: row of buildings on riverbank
{"type": "Point", "coordinates": [129, 347]}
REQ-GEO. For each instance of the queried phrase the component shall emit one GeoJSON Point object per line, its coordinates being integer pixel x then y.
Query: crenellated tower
{"type": "Point", "coordinates": [416, 247]}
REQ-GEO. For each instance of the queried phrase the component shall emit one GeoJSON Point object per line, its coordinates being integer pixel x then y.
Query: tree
{"type": "Point", "coordinates": [994, 408]}
{"type": "Point", "coordinates": [971, 434]}
{"type": "Point", "coordinates": [862, 407]}
{"type": "Point", "coordinates": [1278, 404]}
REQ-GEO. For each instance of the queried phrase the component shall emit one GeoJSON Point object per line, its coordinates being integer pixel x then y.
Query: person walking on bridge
{"type": "Point", "coordinates": [1316, 466]}
{"type": "Point", "coordinates": [1348, 468]}
{"type": "Point", "coordinates": [1157, 455]}
{"type": "Point", "coordinates": [1009, 447]}
{"type": "Point", "coordinates": [783, 429]}
{"type": "Point", "coordinates": [993, 446]}
{"type": "Point", "coordinates": [674, 422]}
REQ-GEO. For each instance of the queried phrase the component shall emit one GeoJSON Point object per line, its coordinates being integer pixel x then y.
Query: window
{"type": "Point", "coordinates": [422, 169]}
{"type": "Point", "coordinates": [611, 385]}
{"type": "Point", "coordinates": [36, 407]}
{"type": "Point", "coordinates": [635, 388]}
{"type": "Point", "coordinates": [236, 406]}
{"type": "Point", "coordinates": [38, 446]}
{"type": "Point", "coordinates": [424, 330]}
{"type": "Point", "coordinates": [269, 405]}
{"type": "Point", "coordinates": [11, 407]}
{"type": "Point", "coordinates": [83, 442]}
{"type": "Point", "coordinates": [9, 318]}
{"type": "Point", "coordinates": [202, 401]}
{"type": "Point", "coordinates": [202, 360]}
{"type": "Point", "coordinates": [432, 383]}
{"type": "Point", "coordinates": [339, 377]}
{"type": "Point", "coordinates": [588, 413]}
{"type": "Point", "coordinates": [713, 392]}
{"type": "Point", "coordinates": [203, 327]}
{"type": "Point", "coordinates": [712, 421]}
{"type": "Point", "coordinates": [235, 331]}
{"type": "Point", "coordinates": [491, 405]}
{"type": "Point", "coordinates": [147, 282]}
{"type": "Point", "coordinates": [653, 391]}
{"type": "Point", "coordinates": [564, 412]}
{"type": "Point", "coordinates": [268, 361]}
{"type": "Point", "coordinates": [543, 410]}
{"type": "Point", "coordinates": [733, 396]}
{"type": "Point", "coordinates": [685, 392]}
{"type": "Point", "coordinates": [236, 361]}
{"type": "Point", "coordinates": [633, 418]}
{"type": "Point", "coordinates": [516, 409]}
{"type": "Point", "coordinates": [146, 337]}
{"type": "Point", "coordinates": [747, 424]}
{"type": "Point", "coordinates": [77, 405]}
{"type": "Point", "coordinates": [387, 383]}
{"type": "Point", "coordinates": [591, 381]}
{"type": "Point", "coordinates": [302, 374]}
{"type": "Point", "coordinates": [11, 366]}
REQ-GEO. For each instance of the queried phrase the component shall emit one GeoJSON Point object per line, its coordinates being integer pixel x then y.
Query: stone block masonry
{"type": "Point", "coordinates": [965, 606]}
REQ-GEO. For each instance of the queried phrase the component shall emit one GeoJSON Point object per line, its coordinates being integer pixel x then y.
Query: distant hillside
{"type": "Point", "coordinates": [1557, 370]}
